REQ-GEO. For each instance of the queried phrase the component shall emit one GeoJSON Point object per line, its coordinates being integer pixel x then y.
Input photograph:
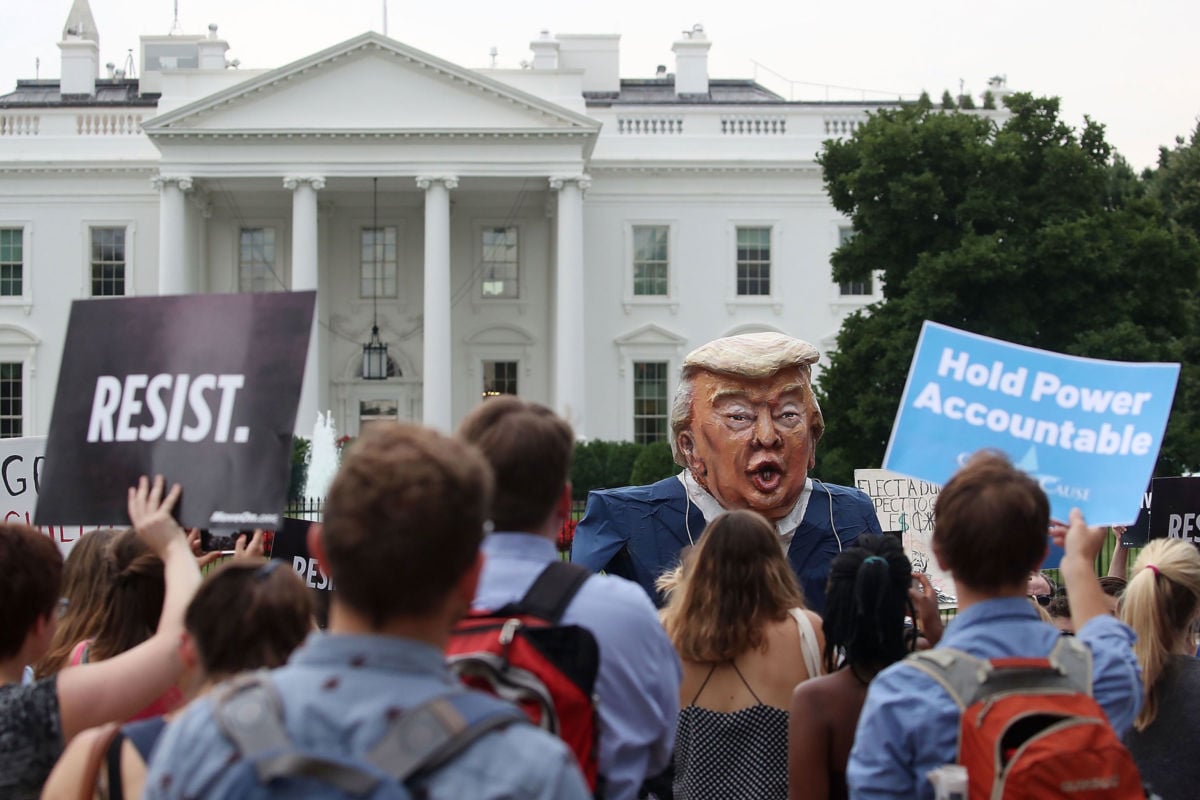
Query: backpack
{"type": "Point", "coordinates": [522, 654]}
{"type": "Point", "coordinates": [249, 712]}
{"type": "Point", "coordinates": [1030, 727]}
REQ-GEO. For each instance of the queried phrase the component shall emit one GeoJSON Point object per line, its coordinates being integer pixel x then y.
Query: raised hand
{"type": "Point", "coordinates": [150, 513]}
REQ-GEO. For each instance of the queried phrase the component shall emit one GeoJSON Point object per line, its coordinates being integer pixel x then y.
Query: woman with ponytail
{"type": "Point", "coordinates": [1162, 605]}
{"type": "Point", "coordinates": [866, 600]}
{"type": "Point", "coordinates": [736, 617]}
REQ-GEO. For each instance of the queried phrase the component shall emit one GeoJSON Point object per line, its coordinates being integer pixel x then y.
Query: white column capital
{"type": "Point", "coordinates": [293, 181]}
{"type": "Point", "coordinates": [425, 181]}
{"type": "Point", "coordinates": [583, 180]}
{"type": "Point", "coordinates": [182, 181]}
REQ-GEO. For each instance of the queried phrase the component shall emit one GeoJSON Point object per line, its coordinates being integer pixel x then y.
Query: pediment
{"type": "Point", "coordinates": [650, 335]}
{"type": "Point", "coordinates": [371, 84]}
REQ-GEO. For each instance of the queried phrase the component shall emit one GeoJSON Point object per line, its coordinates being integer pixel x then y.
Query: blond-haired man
{"type": "Point", "coordinates": [744, 426]}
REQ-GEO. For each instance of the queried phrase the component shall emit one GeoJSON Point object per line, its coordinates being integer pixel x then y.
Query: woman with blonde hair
{"type": "Point", "coordinates": [1162, 605]}
{"type": "Point", "coordinates": [86, 579]}
{"type": "Point", "coordinates": [738, 622]}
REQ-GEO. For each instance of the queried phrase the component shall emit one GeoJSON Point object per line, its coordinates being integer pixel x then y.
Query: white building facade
{"type": "Point", "coordinates": [557, 231]}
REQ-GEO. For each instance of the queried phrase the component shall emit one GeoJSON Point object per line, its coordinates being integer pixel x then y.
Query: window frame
{"type": "Point", "coordinates": [25, 298]}
{"type": "Point", "coordinates": [670, 300]}
{"type": "Point", "coordinates": [360, 246]}
{"type": "Point", "coordinates": [665, 380]}
{"type": "Point", "coordinates": [738, 263]}
{"type": "Point", "coordinates": [771, 300]}
{"type": "Point", "coordinates": [481, 227]}
{"type": "Point", "coordinates": [515, 363]}
{"type": "Point", "coordinates": [276, 261]}
{"type": "Point", "coordinates": [839, 300]}
{"type": "Point", "coordinates": [90, 225]}
{"type": "Point", "coordinates": [19, 417]}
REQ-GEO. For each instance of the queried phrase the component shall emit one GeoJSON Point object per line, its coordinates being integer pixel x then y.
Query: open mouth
{"type": "Point", "coordinates": [766, 478]}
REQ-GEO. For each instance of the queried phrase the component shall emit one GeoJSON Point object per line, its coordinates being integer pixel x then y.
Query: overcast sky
{"type": "Point", "coordinates": [1132, 65]}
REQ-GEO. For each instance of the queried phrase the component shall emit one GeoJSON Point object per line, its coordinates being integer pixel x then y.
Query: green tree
{"type": "Point", "coordinates": [1029, 232]}
{"type": "Point", "coordinates": [966, 102]}
{"type": "Point", "coordinates": [600, 464]}
{"type": "Point", "coordinates": [948, 101]}
{"type": "Point", "coordinates": [654, 463]}
{"type": "Point", "coordinates": [989, 100]}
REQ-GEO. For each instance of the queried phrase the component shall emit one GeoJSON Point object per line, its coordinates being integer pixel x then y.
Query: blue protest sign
{"type": "Point", "coordinates": [1089, 431]}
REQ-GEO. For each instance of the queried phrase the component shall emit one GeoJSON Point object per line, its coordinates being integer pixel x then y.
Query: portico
{"type": "Point", "coordinates": [459, 157]}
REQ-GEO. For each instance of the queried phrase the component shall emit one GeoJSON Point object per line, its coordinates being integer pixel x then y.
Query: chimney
{"type": "Point", "coordinates": [211, 51]}
{"type": "Point", "coordinates": [597, 54]}
{"type": "Point", "coordinates": [691, 62]}
{"type": "Point", "coordinates": [545, 51]}
{"type": "Point", "coordinates": [80, 48]}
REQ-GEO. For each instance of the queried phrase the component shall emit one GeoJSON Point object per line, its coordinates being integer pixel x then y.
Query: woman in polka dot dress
{"type": "Point", "coordinates": [736, 616]}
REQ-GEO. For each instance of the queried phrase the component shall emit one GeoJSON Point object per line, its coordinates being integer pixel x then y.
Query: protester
{"type": "Point", "coordinates": [404, 519]}
{"type": "Point", "coordinates": [738, 621]}
{"type": "Point", "coordinates": [1162, 605]}
{"type": "Point", "coordinates": [247, 615]}
{"type": "Point", "coordinates": [868, 596]}
{"type": "Point", "coordinates": [990, 532]}
{"type": "Point", "coordinates": [86, 578]}
{"type": "Point", "coordinates": [744, 425]}
{"type": "Point", "coordinates": [637, 686]}
{"type": "Point", "coordinates": [39, 719]}
{"type": "Point", "coordinates": [1041, 588]}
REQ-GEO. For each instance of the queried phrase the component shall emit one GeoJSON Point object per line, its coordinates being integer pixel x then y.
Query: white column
{"type": "Point", "coordinates": [437, 385]}
{"type": "Point", "coordinates": [172, 233]}
{"type": "Point", "coordinates": [569, 388]}
{"type": "Point", "coordinates": [304, 277]}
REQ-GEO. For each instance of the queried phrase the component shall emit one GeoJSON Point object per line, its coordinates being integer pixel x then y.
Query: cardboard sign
{"type": "Point", "coordinates": [202, 389]}
{"type": "Point", "coordinates": [21, 464]}
{"type": "Point", "coordinates": [291, 545]}
{"type": "Point", "coordinates": [905, 505]}
{"type": "Point", "coordinates": [1089, 431]}
{"type": "Point", "coordinates": [1175, 509]}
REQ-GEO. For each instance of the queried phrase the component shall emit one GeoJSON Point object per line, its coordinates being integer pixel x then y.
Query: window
{"type": "Point", "coordinates": [499, 377]}
{"type": "Point", "coordinates": [378, 262]}
{"type": "Point", "coordinates": [499, 268]}
{"type": "Point", "coordinates": [650, 407]}
{"type": "Point", "coordinates": [849, 288]}
{"type": "Point", "coordinates": [256, 261]}
{"type": "Point", "coordinates": [11, 392]}
{"type": "Point", "coordinates": [108, 262]}
{"type": "Point", "coordinates": [753, 261]}
{"type": "Point", "coordinates": [650, 260]}
{"type": "Point", "coordinates": [12, 262]}
{"type": "Point", "coordinates": [380, 410]}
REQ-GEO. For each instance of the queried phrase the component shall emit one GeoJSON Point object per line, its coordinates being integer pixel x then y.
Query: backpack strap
{"type": "Point", "coordinates": [552, 591]}
{"type": "Point", "coordinates": [426, 737]}
{"type": "Point", "coordinates": [249, 711]}
{"type": "Point", "coordinates": [1073, 658]}
{"type": "Point", "coordinates": [960, 674]}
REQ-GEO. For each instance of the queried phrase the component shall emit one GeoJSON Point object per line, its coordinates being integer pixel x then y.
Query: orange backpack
{"type": "Point", "coordinates": [1030, 727]}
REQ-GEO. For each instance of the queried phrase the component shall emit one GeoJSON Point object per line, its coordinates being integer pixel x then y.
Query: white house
{"type": "Point", "coordinates": [559, 231]}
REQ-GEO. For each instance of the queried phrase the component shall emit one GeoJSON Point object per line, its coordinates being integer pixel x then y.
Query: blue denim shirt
{"type": "Point", "coordinates": [638, 683]}
{"type": "Point", "coordinates": [909, 724]}
{"type": "Point", "coordinates": [338, 691]}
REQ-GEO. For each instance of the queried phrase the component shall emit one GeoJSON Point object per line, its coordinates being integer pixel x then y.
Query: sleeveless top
{"type": "Point", "coordinates": [737, 754]}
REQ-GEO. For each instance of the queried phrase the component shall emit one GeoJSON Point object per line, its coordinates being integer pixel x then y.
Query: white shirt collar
{"type": "Point", "coordinates": [709, 506]}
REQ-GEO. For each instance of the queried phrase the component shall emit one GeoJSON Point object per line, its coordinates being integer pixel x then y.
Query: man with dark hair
{"type": "Point", "coordinates": [637, 687]}
{"type": "Point", "coordinates": [990, 533]}
{"type": "Point", "coordinates": [744, 426]}
{"type": "Point", "coordinates": [403, 522]}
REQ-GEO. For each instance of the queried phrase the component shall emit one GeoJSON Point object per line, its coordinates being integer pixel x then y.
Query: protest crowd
{"type": "Point", "coordinates": [740, 630]}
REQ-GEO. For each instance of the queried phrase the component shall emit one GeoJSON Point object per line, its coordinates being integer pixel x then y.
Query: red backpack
{"type": "Point", "coordinates": [1030, 727]}
{"type": "Point", "coordinates": [522, 654]}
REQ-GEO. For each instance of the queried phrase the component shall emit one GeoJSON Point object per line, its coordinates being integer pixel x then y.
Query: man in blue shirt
{"type": "Point", "coordinates": [637, 686]}
{"type": "Point", "coordinates": [403, 523]}
{"type": "Point", "coordinates": [744, 425]}
{"type": "Point", "coordinates": [990, 533]}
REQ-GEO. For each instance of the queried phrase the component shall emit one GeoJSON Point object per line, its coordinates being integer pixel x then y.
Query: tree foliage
{"type": "Point", "coordinates": [1031, 232]}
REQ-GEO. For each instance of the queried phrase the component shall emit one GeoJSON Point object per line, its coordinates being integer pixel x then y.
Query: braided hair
{"type": "Point", "coordinates": [865, 603]}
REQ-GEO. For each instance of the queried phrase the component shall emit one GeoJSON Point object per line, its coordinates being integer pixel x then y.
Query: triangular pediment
{"type": "Point", "coordinates": [650, 335]}
{"type": "Point", "coordinates": [371, 84]}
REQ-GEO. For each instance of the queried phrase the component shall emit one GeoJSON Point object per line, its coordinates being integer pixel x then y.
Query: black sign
{"type": "Point", "coordinates": [1175, 509]}
{"type": "Point", "coordinates": [291, 545]}
{"type": "Point", "coordinates": [1137, 534]}
{"type": "Point", "coordinates": [201, 389]}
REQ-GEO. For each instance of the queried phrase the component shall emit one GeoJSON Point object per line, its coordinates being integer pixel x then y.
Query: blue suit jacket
{"type": "Point", "coordinates": [637, 532]}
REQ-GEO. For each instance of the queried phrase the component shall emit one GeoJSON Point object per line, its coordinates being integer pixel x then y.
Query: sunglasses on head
{"type": "Point", "coordinates": [1043, 600]}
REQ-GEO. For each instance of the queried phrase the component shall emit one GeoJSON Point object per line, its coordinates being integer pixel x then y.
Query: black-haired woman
{"type": "Point", "coordinates": [868, 596]}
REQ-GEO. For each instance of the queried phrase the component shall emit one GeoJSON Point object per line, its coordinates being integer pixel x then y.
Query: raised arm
{"type": "Point", "coordinates": [119, 687]}
{"type": "Point", "coordinates": [1081, 544]}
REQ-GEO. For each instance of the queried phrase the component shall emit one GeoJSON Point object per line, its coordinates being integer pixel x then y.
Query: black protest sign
{"type": "Point", "coordinates": [1137, 534]}
{"type": "Point", "coordinates": [1175, 509]}
{"type": "Point", "coordinates": [290, 544]}
{"type": "Point", "coordinates": [202, 389]}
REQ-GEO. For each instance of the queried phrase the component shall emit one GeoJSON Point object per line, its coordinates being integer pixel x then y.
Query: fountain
{"type": "Point", "coordinates": [322, 459]}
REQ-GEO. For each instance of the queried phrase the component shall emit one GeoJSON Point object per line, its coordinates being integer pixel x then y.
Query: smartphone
{"type": "Point", "coordinates": [221, 541]}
